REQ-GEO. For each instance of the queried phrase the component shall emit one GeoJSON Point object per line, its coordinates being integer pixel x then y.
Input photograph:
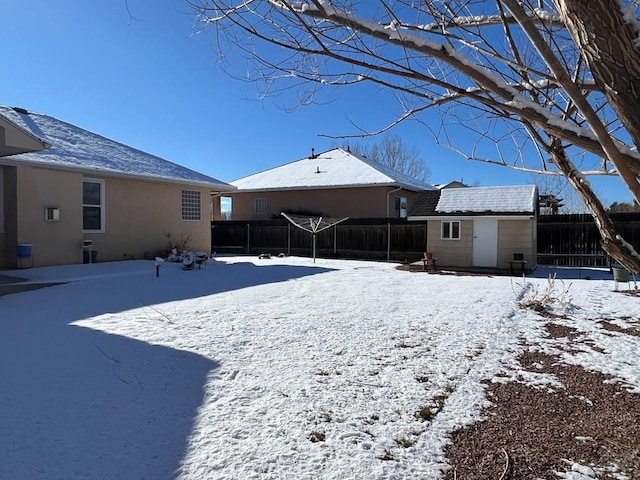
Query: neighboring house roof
{"type": "Point", "coordinates": [504, 200]}
{"type": "Point", "coordinates": [75, 148]}
{"type": "Point", "coordinates": [335, 168]}
{"type": "Point", "coordinates": [424, 203]}
{"type": "Point", "coordinates": [452, 184]}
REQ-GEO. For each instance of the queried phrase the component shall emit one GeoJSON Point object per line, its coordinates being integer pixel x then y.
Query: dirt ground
{"type": "Point", "coordinates": [590, 428]}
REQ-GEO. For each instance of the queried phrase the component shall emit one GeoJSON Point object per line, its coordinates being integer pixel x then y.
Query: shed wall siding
{"type": "Point", "coordinates": [516, 236]}
{"type": "Point", "coordinates": [451, 253]}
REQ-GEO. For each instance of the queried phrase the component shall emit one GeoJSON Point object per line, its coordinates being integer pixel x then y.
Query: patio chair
{"type": "Point", "coordinates": [429, 262]}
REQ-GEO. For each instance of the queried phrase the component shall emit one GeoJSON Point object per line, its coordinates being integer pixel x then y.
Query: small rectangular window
{"type": "Point", "coordinates": [450, 230]}
{"type": "Point", "coordinates": [93, 206]}
{"type": "Point", "coordinates": [401, 207]}
{"type": "Point", "coordinates": [191, 205]}
{"type": "Point", "coordinates": [262, 205]}
{"type": "Point", "coordinates": [52, 214]}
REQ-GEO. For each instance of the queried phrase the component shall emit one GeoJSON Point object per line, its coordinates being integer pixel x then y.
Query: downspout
{"type": "Point", "coordinates": [388, 194]}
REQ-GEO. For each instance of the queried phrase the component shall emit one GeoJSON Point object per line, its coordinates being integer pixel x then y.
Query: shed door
{"type": "Point", "coordinates": [485, 242]}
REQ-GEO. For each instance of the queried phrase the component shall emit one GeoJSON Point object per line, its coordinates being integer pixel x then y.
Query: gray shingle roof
{"type": "Point", "coordinates": [424, 203]}
{"type": "Point", "coordinates": [502, 200]}
{"type": "Point", "coordinates": [335, 168]}
{"type": "Point", "coordinates": [76, 148]}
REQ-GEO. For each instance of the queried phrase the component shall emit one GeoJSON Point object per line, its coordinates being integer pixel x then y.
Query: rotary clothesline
{"type": "Point", "coordinates": [313, 225]}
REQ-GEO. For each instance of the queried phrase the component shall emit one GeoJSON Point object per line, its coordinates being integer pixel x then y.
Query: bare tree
{"type": "Point", "coordinates": [556, 194]}
{"type": "Point", "coordinates": [392, 152]}
{"type": "Point", "coordinates": [544, 86]}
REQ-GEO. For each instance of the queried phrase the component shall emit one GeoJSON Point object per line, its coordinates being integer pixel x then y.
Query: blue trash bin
{"type": "Point", "coordinates": [24, 251]}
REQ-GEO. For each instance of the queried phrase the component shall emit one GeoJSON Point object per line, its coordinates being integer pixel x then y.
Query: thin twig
{"type": "Point", "coordinates": [105, 354]}
{"type": "Point", "coordinates": [139, 382]}
{"type": "Point", "coordinates": [163, 315]}
{"type": "Point", "coordinates": [118, 376]}
{"type": "Point", "coordinates": [506, 467]}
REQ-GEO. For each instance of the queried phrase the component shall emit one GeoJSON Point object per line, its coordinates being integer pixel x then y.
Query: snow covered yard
{"type": "Point", "coordinates": [275, 369]}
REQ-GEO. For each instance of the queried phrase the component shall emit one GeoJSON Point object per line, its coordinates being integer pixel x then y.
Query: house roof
{"type": "Point", "coordinates": [424, 203]}
{"type": "Point", "coordinates": [452, 184]}
{"type": "Point", "coordinates": [335, 168]}
{"type": "Point", "coordinates": [75, 148]}
{"type": "Point", "coordinates": [503, 200]}
{"type": "Point", "coordinates": [16, 139]}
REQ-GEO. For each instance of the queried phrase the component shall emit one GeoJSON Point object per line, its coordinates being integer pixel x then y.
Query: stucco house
{"type": "Point", "coordinates": [480, 226]}
{"type": "Point", "coordinates": [335, 183]}
{"type": "Point", "coordinates": [63, 189]}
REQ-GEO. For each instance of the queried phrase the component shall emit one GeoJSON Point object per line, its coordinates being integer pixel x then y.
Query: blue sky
{"type": "Point", "coordinates": [138, 71]}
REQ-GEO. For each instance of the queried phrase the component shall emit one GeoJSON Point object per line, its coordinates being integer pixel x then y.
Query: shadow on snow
{"type": "Point", "coordinates": [82, 403]}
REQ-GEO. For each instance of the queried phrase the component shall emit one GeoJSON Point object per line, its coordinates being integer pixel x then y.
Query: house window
{"type": "Point", "coordinates": [226, 207]}
{"type": "Point", "coordinates": [191, 205]}
{"type": "Point", "coordinates": [93, 206]}
{"type": "Point", "coordinates": [450, 230]}
{"type": "Point", "coordinates": [262, 205]}
{"type": "Point", "coordinates": [401, 207]}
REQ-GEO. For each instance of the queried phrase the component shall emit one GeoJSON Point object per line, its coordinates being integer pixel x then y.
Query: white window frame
{"type": "Point", "coordinates": [51, 213]}
{"type": "Point", "coordinates": [101, 206]}
{"type": "Point", "coordinates": [399, 211]}
{"type": "Point", "coordinates": [450, 223]}
{"type": "Point", "coordinates": [191, 205]}
{"type": "Point", "coordinates": [261, 206]}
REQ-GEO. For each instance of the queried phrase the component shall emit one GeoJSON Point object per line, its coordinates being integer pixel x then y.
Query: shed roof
{"type": "Point", "coordinates": [335, 168]}
{"type": "Point", "coordinates": [499, 200]}
{"type": "Point", "coordinates": [75, 148]}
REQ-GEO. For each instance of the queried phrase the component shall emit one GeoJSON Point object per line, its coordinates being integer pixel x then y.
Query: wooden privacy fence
{"type": "Point", "coordinates": [374, 239]}
{"type": "Point", "coordinates": [571, 240]}
{"type": "Point", "coordinates": [574, 240]}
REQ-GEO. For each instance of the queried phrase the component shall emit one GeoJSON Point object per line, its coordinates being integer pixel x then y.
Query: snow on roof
{"type": "Point", "coordinates": [332, 169]}
{"type": "Point", "coordinates": [76, 148]}
{"type": "Point", "coordinates": [24, 140]}
{"type": "Point", "coordinates": [504, 199]}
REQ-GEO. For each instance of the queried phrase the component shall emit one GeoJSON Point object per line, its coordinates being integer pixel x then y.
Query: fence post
{"type": "Point", "coordinates": [288, 239]}
{"type": "Point", "coordinates": [388, 241]}
{"type": "Point", "coordinates": [248, 236]}
{"type": "Point", "coordinates": [335, 240]}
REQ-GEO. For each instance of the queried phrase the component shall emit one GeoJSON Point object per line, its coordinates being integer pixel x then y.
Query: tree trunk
{"type": "Point", "coordinates": [608, 43]}
{"type": "Point", "coordinates": [612, 243]}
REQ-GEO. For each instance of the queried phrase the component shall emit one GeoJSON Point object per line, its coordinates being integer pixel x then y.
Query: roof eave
{"type": "Point", "coordinates": [41, 141]}
{"type": "Point", "coordinates": [327, 187]}
{"type": "Point", "coordinates": [469, 215]}
{"type": "Point", "coordinates": [221, 187]}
